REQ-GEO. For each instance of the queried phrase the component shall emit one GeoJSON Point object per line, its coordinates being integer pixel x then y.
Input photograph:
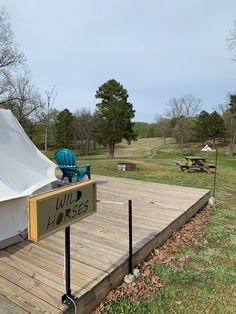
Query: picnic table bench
{"type": "Point", "coordinates": [195, 163]}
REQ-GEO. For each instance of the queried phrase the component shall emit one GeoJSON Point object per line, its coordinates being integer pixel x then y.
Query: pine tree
{"type": "Point", "coordinates": [216, 126]}
{"type": "Point", "coordinates": [112, 118]}
{"type": "Point", "coordinates": [63, 128]}
{"type": "Point", "coordinates": [201, 126]}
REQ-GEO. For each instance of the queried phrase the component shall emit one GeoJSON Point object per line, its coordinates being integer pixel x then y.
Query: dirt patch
{"type": "Point", "coordinates": [145, 163]}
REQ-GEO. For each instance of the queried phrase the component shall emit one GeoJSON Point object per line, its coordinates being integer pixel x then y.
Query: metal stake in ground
{"type": "Point", "coordinates": [67, 298]}
{"type": "Point", "coordinates": [130, 238]}
{"type": "Point", "coordinates": [216, 162]}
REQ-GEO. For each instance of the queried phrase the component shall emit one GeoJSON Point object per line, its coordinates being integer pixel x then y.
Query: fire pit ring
{"type": "Point", "coordinates": [126, 166]}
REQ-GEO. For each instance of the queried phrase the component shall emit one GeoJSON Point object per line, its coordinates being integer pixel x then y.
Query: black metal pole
{"type": "Point", "coordinates": [67, 260]}
{"type": "Point", "coordinates": [214, 189]}
{"type": "Point", "coordinates": [67, 298]}
{"type": "Point", "coordinates": [130, 239]}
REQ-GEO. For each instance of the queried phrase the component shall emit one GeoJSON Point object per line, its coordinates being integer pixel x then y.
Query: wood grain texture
{"type": "Point", "coordinates": [31, 275]}
{"type": "Point", "coordinates": [8, 307]}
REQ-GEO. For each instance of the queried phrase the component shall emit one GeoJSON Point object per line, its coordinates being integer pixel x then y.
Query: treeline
{"type": "Point", "coordinates": [144, 129]}
{"type": "Point", "coordinates": [77, 129]}
{"type": "Point", "coordinates": [107, 126]}
{"type": "Point", "coordinates": [66, 129]}
{"type": "Point", "coordinates": [186, 122]}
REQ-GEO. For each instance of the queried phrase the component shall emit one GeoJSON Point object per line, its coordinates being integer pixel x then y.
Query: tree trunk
{"type": "Point", "coordinates": [94, 144]}
{"type": "Point", "coordinates": [233, 136]}
{"type": "Point", "coordinates": [232, 143]}
{"type": "Point", "coordinates": [111, 150]}
{"type": "Point", "coordinates": [182, 144]}
{"type": "Point", "coordinates": [46, 141]}
{"type": "Point", "coordinates": [164, 139]}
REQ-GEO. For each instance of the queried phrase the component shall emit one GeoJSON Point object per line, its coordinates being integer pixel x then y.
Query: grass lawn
{"type": "Point", "coordinates": [207, 282]}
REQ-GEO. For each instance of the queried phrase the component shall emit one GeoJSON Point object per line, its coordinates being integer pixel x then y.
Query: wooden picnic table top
{"type": "Point", "coordinates": [195, 158]}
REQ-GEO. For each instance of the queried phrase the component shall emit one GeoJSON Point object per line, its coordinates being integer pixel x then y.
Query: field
{"type": "Point", "coordinates": [206, 283]}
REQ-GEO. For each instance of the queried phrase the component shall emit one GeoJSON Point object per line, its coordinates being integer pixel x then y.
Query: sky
{"type": "Point", "coordinates": [157, 49]}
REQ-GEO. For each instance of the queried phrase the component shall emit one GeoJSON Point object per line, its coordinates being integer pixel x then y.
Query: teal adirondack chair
{"type": "Point", "coordinates": [66, 160]}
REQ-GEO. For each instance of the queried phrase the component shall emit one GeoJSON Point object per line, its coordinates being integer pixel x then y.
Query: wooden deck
{"type": "Point", "coordinates": [31, 275]}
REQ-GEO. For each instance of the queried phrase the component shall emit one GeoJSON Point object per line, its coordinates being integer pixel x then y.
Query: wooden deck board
{"type": "Point", "coordinates": [31, 275]}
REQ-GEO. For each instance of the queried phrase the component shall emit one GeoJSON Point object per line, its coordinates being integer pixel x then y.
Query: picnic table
{"type": "Point", "coordinates": [195, 163]}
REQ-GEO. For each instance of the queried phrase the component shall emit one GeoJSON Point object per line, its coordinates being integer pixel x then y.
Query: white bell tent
{"type": "Point", "coordinates": [24, 170]}
{"type": "Point", "coordinates": [206, 148]}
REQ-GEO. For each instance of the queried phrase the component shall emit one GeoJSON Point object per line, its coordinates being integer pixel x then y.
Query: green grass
{"type": "Point", "coordinates": [207, 283]}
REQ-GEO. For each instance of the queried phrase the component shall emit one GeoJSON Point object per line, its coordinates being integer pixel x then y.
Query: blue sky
{"type": "Point", "coordinates": [157, 49]}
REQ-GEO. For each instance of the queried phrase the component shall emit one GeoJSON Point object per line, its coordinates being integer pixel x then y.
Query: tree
{"type": "Point", "coordinates": [23, 99]}
{"type": "Point", "coordinates": [10, 57]}
{"type": "Point", "coordinates": [216, 126]}
{"type": "Point", "coordinates": [46, 113]}
{"type": "Point", "coordinates": [208, 126]}
{"type": "Point", "coordinates": [186, 106]}
{"type": "Point", "coordinates": [181, 111]}
{"type": "Point", "coordinates": [141, 129]}
{"type": "Point", "coordinates": [200, 129]}
{"type": "Point", "coordinates": [232, 126]}
{"type": "Point", "coordinates": [232, 40]}
{"type": "Point", "coordinates": [112, 118]}
{"type": "Point", "coordinates": [144, 129]}
{"type": "Point", "coordinates": [9, 54]}
{"type": "Point", "coordinates": [164, 127]}
{"type": "Point", "coordinates": [151, 130]}
{"type": "Point", "coordinates": [182, 130]}
{"type": "Point", "coordinates": [64, 129]}
{"type": "Point", "coordinates": [82, 129]}
{"type": "Point", "coordinates": [38, 136]}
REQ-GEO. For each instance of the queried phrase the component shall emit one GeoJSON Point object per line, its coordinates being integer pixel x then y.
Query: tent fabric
{"type": "Point", "coordinates": [23, 168]}
{"type": "Point", "coordinates": [206, 148]}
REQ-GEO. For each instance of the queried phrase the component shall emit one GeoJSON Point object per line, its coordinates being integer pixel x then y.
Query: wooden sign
{"type": "Point", "coordinates": [54, 210]}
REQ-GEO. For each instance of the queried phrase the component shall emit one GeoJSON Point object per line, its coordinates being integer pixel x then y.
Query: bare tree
{"type": "Point", "coordinates": [222, 108]}
{"type": "Point", "coordinates": [23, 99]}
{"type": "Point", "coordinates": [164, 127]}
{"type": "Point", "coordinates": [186, 106]}
{"type": "Point", "coordinates": [82, 129]}
{"type": "Point", "coordinates": [9, 54]}
{"type": "Point", "coordinates": [10, 57]}
{"type": "Point", "coordinates": [182, 130]}
{"type": "Point", "coordinates": [232, 106]}
{"type": "Point", "coordinates": [181, 110]}
{"type": "Point", "coordinates": [46, 114]}
{"type": "Point", "coordinates": [232, 40]}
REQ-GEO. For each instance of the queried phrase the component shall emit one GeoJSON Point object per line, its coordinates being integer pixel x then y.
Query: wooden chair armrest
{"type": "Point", "coordinates": [84, 166]}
